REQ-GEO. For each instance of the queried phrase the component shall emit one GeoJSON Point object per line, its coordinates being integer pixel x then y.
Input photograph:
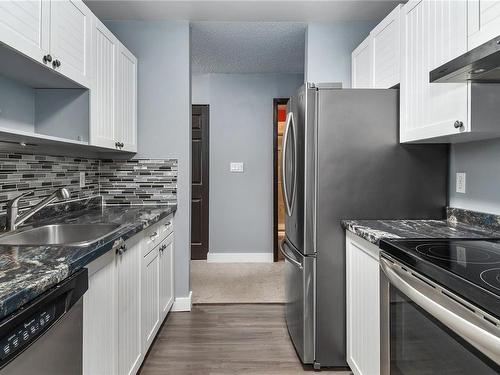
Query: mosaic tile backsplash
{"type": "Point", "coordinates": [138, 181]}
{"type": "Point", "coordinates": [118, 181]}
{"type": "Point", "coordinates": [44, 174]}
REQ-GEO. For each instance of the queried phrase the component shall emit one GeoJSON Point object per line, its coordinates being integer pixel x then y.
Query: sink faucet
{"type": "Point", "coordinates": [13, 218]}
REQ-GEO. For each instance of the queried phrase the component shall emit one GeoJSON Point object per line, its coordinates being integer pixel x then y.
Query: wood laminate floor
{"type": "Point", "coordinates": [225, 339]}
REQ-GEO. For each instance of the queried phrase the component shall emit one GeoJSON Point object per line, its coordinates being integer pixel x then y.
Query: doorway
{"type": "Point", "coordinates": [200, 132]}
{"type": "Point", "coordinates": [279, 118]}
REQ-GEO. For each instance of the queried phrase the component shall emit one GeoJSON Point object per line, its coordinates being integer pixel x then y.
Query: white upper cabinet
{"type": "Point", "coordinates": [385, 39]}
{"type": "Point", "coordinates": [376, 61]}
{"type": "Point", "coordinates": [103, 90]}
{"type": "Point", "coordinates": [55, 33]}
{"type": "Point", "coordinates": [113, 92]}
{"type": "Point", "coordinates": [483, 21]}
{"type": "Point", "coordinates": [24, 26]}
{"type": "Point", "coordinates": [70, 33]}
{"type": "Point", "coordinates": [434, 32]}
{"type": "Point", "coordinates": [361, 65]}
{"type": "Point", "coordinates": [126, 108]}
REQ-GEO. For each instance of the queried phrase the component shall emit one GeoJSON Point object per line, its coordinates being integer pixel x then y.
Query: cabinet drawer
{"type": "Point", "coordinates": [156, 233]}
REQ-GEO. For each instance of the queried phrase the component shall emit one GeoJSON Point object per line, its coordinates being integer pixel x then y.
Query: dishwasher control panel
{"type": "Point", "coordinates": [26, 332]}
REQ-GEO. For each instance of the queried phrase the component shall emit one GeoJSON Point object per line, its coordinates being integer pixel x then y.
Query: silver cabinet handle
{"type": "Point", "coordinates": [153, 235]}
{"type": "Point", "coordinates": [458, 124]}
{"type": "Point", "coordinates": [464, 322]}
{"type": "Point", "coordinates": [288, 256]}
{"type": "Point", "coordinates": [120, 246]}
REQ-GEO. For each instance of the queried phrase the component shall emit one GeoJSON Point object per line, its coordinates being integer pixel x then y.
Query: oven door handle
{"type": "Point", "coordinates": [474, 329]}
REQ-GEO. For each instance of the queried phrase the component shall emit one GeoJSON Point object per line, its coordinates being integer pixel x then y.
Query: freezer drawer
{"type": "Point", "coordinates": [299, 307]}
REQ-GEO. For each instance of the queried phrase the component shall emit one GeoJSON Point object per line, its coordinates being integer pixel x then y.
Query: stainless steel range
{"type": "Point", "coordinates": [342, 160]}
{"type": "Point", "coordinates": [440, 304]}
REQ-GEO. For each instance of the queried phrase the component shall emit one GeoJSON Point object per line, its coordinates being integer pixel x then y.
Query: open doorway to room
{"type": "Point", "coordinates": [279, 118]}
{"type": "Point", "coordinates": [239, 69]}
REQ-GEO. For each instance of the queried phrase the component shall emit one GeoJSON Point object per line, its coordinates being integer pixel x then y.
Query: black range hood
{"type": "Point", "coordinates": [481, 64]}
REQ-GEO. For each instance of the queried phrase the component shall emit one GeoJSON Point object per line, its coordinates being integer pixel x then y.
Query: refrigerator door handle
{"type": "Point", "coordinates": [288, 256]}
{"type": "Point", "coordinates": [289, 120]}
{"type": "Point", "coordinates": [294, 189]}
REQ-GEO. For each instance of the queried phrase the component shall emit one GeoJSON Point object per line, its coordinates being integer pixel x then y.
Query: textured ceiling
{"type": "Point", "coordinates": [241, 10]}
{"type": "Point", "coordinates": [247, 47]}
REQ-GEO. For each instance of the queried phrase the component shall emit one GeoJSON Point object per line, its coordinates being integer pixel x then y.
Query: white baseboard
{"type": "Point", "coordinates": [183, 303]}
{"type": "Point", "coordinates": [239, 257]}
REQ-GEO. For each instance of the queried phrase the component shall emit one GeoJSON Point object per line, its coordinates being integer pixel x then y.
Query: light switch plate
{"type": "Point", "coordinates": [460, 185]}
{"type": "Point", "coordinates": [82, 179]}
{"type": "Point", "coordinates": [236, 167]}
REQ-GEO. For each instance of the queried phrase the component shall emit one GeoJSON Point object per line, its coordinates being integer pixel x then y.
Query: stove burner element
{"type": "Point", "coordinates": [466, 254]}
{"type": "Point", "coordinates": [492, 277]}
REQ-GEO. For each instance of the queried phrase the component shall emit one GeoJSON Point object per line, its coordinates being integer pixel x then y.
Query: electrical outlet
{"type": "Point", "coordinates": [236, 167]}
{"type": "Point", "coordinates": [82, 179]}
{"type": "Point", "coordinates": [460, 185]}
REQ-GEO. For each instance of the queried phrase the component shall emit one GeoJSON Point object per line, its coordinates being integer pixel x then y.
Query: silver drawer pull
{"type": "Point", "coordinates": [153, 235]}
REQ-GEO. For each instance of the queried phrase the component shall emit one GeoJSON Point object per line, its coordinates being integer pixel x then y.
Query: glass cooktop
{"type": "Point", "coordinates": [470, 268]}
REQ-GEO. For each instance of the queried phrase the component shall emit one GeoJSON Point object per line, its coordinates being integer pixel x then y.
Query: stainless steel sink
{"type": "Point", "coordinates": [60, 234]}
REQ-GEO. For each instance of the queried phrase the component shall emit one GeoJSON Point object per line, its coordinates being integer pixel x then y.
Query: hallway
{"type": "Point", "coordinates": [237, 282]}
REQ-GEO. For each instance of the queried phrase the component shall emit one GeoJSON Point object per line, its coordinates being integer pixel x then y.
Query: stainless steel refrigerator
{"type": "Point", "coordinates": [341, 159]}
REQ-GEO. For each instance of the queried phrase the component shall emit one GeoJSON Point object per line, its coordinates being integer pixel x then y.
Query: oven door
{"type": "Point", "coordinates": [428, 330]}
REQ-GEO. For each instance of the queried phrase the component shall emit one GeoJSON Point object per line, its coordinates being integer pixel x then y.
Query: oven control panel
{"type": "Point", "coordinates": [26, 332]}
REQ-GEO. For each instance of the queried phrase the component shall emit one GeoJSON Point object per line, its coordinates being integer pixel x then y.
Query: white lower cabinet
{"type": "Point", "coordinates": [130, 293]}
{"type": "Point", "coordinates": [362, 305]}
{"type": "Point", "coordinates": [100, 325]}
{"type": "Point", "coordinates": [129, 308]}
{"type": "Point", "coordinates": [150, 297]}
{"type": "Point", "coordinates": [166, 270]}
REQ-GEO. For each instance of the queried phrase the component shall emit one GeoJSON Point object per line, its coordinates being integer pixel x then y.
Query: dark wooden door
{"type": "Point", "coordinates": [199, 187]}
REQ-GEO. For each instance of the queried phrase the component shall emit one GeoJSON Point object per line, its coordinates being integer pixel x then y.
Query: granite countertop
{"type": "Point", "coordinates": [28, 271]}
{"type": "Point", "coordinates": [375, 230]}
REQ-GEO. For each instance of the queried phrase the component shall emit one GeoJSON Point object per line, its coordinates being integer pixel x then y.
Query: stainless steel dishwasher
{"type": "Point", "coordinates": [46, 335]}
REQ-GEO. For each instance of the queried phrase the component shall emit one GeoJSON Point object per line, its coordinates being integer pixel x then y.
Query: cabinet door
{"type": "Point", "coordinates": [361, 65]}
{"type": "Point", "coordinates": [129, 308]}
{"type": "Point", "coordinates": [483, 21]}
{"type": "Point", "coordinates": [166, 275]}
{"type": "Point", "coordinates": [386, 51]}
{"type": "Point", "coordinates": [100, 318]}
{"type": "Point", "coordinates": [363, 306]}
{"type": "Point", "coordinates": [126, 109]}
{"type": "Point", "coordinates": [150, 297]}
{"type": "Point", "coordinates": [24, 26]}
{"type": "Point", "coordinates": [434, 33]}
{"type": "Point", "coordinates": [70, 34]}
{"type": "Point", "coordinates": [103, 91]}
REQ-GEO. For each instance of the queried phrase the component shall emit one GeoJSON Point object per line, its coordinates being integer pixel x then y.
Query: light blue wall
{"type": "Point", "coordinates": [481, 162]}
{"type": "Point", "coordinates": [164, 113]}
{"type": "Point", "coordinates": [329, 47]}
{"type": "Point", "coordinates": [241, 130]}
{"type": "Point", "coordinates": [17, 105]}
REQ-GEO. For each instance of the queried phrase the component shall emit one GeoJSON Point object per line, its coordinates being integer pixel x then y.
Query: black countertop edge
{"type": "Point", "coordinates": [28, 271]}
